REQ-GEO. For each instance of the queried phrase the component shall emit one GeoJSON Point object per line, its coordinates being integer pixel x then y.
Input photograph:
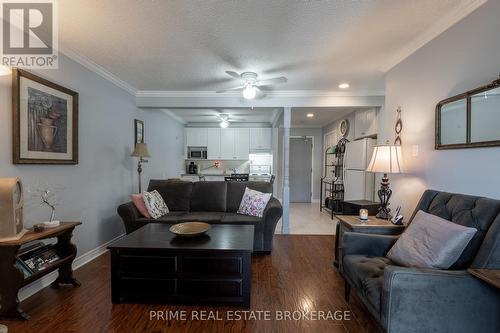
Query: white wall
{"type": "Point", "coordinates": [464, 57]}
{"type": "Point", "coordinates": [106, 174]}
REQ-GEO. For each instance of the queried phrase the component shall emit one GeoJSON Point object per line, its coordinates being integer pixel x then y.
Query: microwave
{"type": "Point", "coordinates": [197, 153]}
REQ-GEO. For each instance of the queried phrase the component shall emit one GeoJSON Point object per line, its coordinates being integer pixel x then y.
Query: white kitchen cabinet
{"type": "Point", "coordinates": [365, 123]}
{"type": "Point", "coordinates": [196, 137]}
{"type": "Point", "coordinates": [213, 144]}
{"type": "Point", "coordinates": [260, 138]}
{"type": "Point", "coordinates": [227, 144]}
{"type": "Point", "coordinates": [241, 143]}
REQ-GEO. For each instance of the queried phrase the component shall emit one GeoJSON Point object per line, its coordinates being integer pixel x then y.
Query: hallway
{"type": "Point", "coordinates": [306, 219]}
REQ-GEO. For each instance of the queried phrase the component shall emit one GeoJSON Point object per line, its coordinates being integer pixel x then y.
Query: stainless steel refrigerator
{"type": "Point", "coordinates": [358, 184]}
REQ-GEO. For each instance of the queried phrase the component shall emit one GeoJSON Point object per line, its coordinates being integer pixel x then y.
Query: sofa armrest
{"type": "Point", "coordinates": [431, 300]}
{"type": "Point", "coordinates": [129, 214]}
{"type": "Point", "coordinates": [368, 244]}
{"type": "Point", "coordinates": [270, 218]}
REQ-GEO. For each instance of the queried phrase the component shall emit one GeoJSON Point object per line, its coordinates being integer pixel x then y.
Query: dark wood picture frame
{"type": "Point", "coordinates": [16, 119]}
{"type": "Point", "coordinates": [138, 123]}
{"type": "Point", "coordinates": [467, 96]}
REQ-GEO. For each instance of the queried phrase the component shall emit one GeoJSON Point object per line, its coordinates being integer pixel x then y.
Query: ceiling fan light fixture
{"type": "Point", "coordinates": [249, 92]}
{"type": "Point", "coordinates": [344, 85]}
{"type": "Point", "coordinates": [224, 124]}
{"type": "Point", "coordinates": [310, 115]}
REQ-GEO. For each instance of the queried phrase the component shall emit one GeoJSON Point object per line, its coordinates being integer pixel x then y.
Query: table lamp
{"type": "Point", "coordinates": [141, 151]}
{"type": "Point", "coordinates": [385, 159]}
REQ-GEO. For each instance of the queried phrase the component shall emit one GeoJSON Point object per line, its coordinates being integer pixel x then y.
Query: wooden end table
{"type": "Point", "coordinates": [12, 279]}
{"type": "Point", "coordinates": [352, 223]}
{"type": "Point", "coordinates": [490, 276]}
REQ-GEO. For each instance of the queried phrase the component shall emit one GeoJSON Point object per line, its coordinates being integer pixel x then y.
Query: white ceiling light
{"type": "Point", "coordinates": [224, 124]}
{"type": "Point", "coordinates": [310, 115]}
{"type": "Point", "coordinates": [249, 92]}
{"type": "Point", "coordinates": [344, 85]}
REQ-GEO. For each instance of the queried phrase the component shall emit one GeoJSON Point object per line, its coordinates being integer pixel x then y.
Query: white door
{"type": "Point", "coordinates": [355, 185]}
{"type": "Point", "coordinates": [355, 156]}
{"type": "Point", "coordinates": [227, 144]}
{"type": "Point", "coordinates": [241, 143]}
{"type": "Point", "coordinates": [213, 143]}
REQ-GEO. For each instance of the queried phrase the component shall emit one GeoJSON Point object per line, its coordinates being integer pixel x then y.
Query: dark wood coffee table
{"type": "Point", "coordinates": [153, 265]}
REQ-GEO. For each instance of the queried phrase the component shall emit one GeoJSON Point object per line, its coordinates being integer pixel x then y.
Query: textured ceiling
{"type": "Point", "coordinates": [322, 116]}
{"type": "Point", "coordinates": [188, 44]}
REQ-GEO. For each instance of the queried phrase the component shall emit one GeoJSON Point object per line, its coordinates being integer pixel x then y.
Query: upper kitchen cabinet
{"type": "Point", "coordinates": [365, 123]}
{"type": "Point", "coordinates": [260, 139]}
{"type": "Point", "coordinates": [234, 143]}
{"type": "Point", "coordinates": [196, 137]}
{"type": "Point", "coordinates": [213, 144]}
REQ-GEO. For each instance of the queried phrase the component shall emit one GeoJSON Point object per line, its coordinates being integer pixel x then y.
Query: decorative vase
{"type": "Point", "coordinates": [47, 132]}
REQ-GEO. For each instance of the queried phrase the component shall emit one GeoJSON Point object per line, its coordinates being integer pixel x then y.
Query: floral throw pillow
{"type": "Point", "coordinates": [155, 204]}
{"type": "Point", "coordinates": [253, 203]}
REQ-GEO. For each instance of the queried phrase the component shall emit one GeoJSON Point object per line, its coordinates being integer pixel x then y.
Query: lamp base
{"type": "Point", "coordinates": [384, 194]}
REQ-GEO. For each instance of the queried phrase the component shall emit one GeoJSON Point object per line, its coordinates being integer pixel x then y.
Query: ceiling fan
{"type": "Point", "coordinates": [225, 118]}
{"type": "Point", "coordinates": [250, 85]}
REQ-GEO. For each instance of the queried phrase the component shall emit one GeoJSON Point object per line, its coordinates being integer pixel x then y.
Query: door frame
{"type": "Point", "coordinates": [312, 158]}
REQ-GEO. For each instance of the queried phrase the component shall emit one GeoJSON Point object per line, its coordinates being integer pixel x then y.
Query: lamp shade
{"type": "Point", "coordinates": [141, 150]}
{"type": "Point", "coordinates": [386, 159]}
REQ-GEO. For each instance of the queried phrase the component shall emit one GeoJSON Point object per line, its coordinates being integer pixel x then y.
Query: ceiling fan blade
{"type": "Point", "coordinates": [231, 89]}
{"type": "Point", "coordinates": [233, 74]}
{"type": "Point", "coordinates": [260, 93]}
{"type": "Point", "coordinates": [275, 80]}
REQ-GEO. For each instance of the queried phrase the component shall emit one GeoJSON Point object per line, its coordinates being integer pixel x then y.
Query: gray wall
{"type": "Point", "coordinates": [462, 58]}
{"type": "Point", "coordinates": [106, 174]}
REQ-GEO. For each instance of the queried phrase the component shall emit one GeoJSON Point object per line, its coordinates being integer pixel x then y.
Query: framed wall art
{"type": "Point", "coordinates": [45, 121]}
{"type": "Point", "coordinates": [139, 131]}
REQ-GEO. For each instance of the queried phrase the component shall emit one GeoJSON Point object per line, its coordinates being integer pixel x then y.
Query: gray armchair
{"type": "Point", "coordinates": [415, 300]}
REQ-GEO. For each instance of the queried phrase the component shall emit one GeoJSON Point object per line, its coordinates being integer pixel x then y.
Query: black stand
{"type": "Point", "coordinates": [384, 194]}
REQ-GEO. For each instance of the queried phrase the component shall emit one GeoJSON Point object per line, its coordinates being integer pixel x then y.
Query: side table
{"type": "Point", "coordinates": [352, 223]}
{"type": "Point", "coordinates": [12, 279]}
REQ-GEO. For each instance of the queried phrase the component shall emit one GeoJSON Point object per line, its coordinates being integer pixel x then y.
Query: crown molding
{"type": "Point", "coordinates": [97, 69]}
{"type": "Point", "coordinates": [432, 32]}
{"type": "Point", "coordinates": [278, 93]}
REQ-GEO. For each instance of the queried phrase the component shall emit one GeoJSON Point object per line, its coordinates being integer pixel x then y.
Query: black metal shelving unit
{"type": "Point", "coordinates": [332, 183]}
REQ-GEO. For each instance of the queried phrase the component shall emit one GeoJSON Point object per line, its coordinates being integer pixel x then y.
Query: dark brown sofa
{"type": "Point", "coordinates": [211, 202]}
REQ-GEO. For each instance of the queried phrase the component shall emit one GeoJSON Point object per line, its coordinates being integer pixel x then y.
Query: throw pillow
{"type": "Point", "coordinates": [253, 202]}
{"type": "Point", "coordinates": [155, 204]}
{"type": "Point", "coordinates": [138, 201]}
{"type": "Point", "coordinates": [431, 242]}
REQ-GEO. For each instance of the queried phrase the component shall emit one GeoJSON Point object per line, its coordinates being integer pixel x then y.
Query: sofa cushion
{"type": "Point", "coordinates": [171, 217]}
{"type": "Point", "coordinates": [431, 242]}
{"type": "Point", "coordinates": [235, 192]}
{"type": "Point", "coordinates": [209, 217]}
{"type": "Point", "coordinates": [234, 218]}
{"type": "Point", "coordinates": [208, 197]}
{"type": "Point", "coordinates": [253, 203]}
{"type": "Point", "coordinates": [466, 210]}
{"type": "Point", "coordinates": [367, 274]}
{"type": "Point", "coordinates": [176, 194]}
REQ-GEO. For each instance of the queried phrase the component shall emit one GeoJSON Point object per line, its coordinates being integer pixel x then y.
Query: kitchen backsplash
{"type": "Point", "coordinates": [208, 166]}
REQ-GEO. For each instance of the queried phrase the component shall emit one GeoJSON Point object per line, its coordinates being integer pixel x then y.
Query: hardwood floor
{"type": "Point", "coordinates": [298, 276]}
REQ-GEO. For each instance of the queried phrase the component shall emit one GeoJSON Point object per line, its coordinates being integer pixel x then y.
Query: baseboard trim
{"type": "Point", "coordinates": [79, 261]}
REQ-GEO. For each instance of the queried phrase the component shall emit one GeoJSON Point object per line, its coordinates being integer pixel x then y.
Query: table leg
{"type": "Point", "coordinates": [11, 282]}
{"type": "Point", "coordinates": [66, 248]}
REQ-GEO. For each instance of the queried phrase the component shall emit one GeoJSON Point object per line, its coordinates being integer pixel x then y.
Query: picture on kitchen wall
{"type": "Point", "coordinates": [139, 131]}
{"type": "Point", "coordinates": [45, 121]}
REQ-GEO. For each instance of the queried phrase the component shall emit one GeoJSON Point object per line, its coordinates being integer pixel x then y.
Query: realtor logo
{"type": "Point", "coordinates": [29, 33]}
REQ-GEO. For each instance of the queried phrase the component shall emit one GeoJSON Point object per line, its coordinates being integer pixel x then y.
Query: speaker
{"type": "Point", "coordinates": [11, 209]}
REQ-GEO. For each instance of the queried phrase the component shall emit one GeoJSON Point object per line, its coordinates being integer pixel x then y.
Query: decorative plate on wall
{"type": "Point", "coordinates": [344, 127]}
